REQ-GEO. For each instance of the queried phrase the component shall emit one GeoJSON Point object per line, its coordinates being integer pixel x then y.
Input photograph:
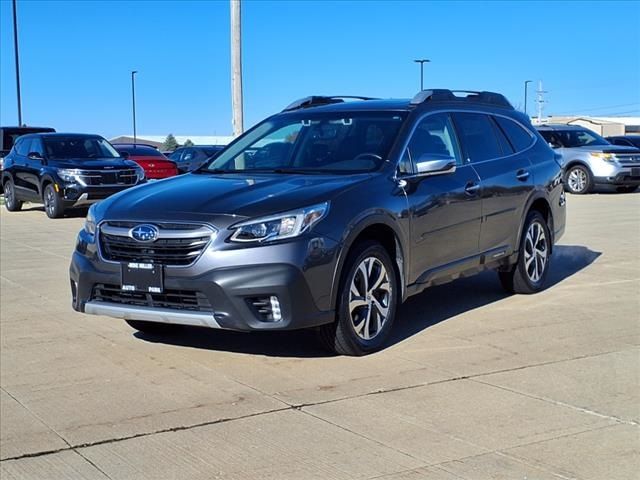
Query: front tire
{"type": "Point", "coordinates": [52, 202]}
{"type": "Point", "coordinates": [153, 328]}
{"type": "Point", "coordinates": [10, 200]}
{"type": "Point", "coordinates": [578, 180]}
{"type": "Point", "coordinates": [367, 302]}
{"type": "Point", "coordinates": [528, 275]}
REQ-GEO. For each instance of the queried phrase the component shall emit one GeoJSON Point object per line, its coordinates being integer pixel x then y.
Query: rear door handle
{"type": "Point", "coordinates": [472, 188]}
{"type": "Point", "coordinates": [522, 175]}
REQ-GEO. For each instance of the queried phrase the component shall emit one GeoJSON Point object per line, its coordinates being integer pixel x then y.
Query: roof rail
{"type": "Point", "coordinates": [316, 100]}
{"type": "Point", "coordinates": [444, 95]}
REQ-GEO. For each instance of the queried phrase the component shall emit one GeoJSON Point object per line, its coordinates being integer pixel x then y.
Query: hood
{"type": "Point", "coordinates": [92, 163]}
{"type": "Point", "coordinates": [606, 149]}
{"type": "Point", "coordinates": [223, 199]}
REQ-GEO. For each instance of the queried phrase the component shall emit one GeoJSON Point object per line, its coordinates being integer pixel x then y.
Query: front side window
{"type": "Point", "coordinates": [433, 139]}
{"type": "Point", "coordinates": [573, 138]}
{"type": "Point", "coordinates": [78, 147]}
{"type": "Point", "coordinates": [477, 135]}
{"type": "Point", "coordinates": [340, 143]}
{"type": "Point", "coordinates": [22, 146]}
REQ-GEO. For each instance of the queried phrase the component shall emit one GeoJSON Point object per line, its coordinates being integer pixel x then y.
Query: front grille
{"type": "Point", "coordinates": [171, 299]}
{"type": "Point", "coordinates": [106, 177]}
{"type": "Point", "coordinates": [628, 159]}
{"type": "Point", "coordinates": [177, 244]}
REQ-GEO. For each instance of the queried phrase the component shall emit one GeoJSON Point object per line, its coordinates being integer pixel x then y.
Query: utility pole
{"type": "Point", "coordinates": [236, 69]}
{"type": "Point", "coordinates": [422, 61]}
{"type": "Point", "coordinates": [540, 101]}
{"type": "Point", "coordinates": [15, 50]}
{"type": "Point", "coordinates": [133, 104]}
{"type": "Point", "coordinates": [526, 83]}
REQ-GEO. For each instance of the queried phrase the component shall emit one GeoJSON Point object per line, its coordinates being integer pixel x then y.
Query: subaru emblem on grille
{"type": "Point", "coordinates": [144, 233]}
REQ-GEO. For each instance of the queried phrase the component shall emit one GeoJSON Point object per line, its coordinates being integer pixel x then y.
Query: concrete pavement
{"type": "Point", "coordinates": [476, 384]}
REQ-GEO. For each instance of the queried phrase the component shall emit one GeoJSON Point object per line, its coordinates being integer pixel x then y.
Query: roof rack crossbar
{"type": "Point", "coordinates": [316, 100]}
{"type": "Point", "coordinates": [445, 95]}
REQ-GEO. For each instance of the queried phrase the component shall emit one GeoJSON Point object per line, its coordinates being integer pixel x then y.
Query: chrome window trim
{"type": "Point", "coordinates": [466, 161]}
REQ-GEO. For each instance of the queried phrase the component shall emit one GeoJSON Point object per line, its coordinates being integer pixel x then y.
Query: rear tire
{"type": "Point", "coordinates": [153, 328]}
{"type": "Point", "coordinates": [367, 302]}
{"type": "Point", "coordinates": [528, 275]}
{"type": "Point", "coordinates": [578, 180]}
{"type": "Point", "coordinates": [626, 189]}
{"type": "Point", "coordinates": [10, 201]}
{"type": "Point", "coordinates": [53, 205]}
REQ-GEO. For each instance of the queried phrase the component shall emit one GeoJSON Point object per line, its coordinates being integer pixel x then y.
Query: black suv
{"type": "Point", "coordinates": [328, 215]}
{"type": "Point", "coordinates": [63, 171]}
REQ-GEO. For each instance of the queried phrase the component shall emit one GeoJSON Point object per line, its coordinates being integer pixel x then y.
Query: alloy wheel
{"type": "Point", "coordinates": [8, 194]}
{"type": "Point", "coordinates": [535, 252]}
{"type": "Point", "coordinates": [577, 180]}
{"type": "Point", "coordinates": [49, 201]}
{"type": "Point", "coordinates": [369, 298]}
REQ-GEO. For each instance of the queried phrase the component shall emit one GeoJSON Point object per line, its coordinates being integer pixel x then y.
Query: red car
{"type": "Point", "coordinates": [153, 162]}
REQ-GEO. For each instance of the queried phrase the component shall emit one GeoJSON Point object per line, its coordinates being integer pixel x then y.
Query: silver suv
{"type": "Point", "coordinates": [589, 160]}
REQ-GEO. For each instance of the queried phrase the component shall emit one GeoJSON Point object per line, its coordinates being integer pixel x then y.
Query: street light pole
{"type": "Point", "coordinates": [422, 61]}
{"type": "Point", "coordinates": [15, 49]}
{"type": "Point", "coordinates": [526, 84]}
{"type": "Point", "coordinates": [236, 68]}
{"type": "Point", "coordinates": [133, 103]}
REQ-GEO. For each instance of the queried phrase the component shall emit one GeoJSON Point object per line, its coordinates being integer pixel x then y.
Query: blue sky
{"type": "Point", "coordinates": [76, 57]}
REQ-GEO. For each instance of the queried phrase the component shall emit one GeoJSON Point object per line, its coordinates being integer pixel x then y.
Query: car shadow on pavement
{"type": "Point", "coordinates": [434, 305]}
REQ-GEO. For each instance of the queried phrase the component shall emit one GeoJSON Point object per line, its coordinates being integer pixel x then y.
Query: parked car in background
{"type": "Point", "coordinates": [154, 163]}
{"type": "Point", "coordinates": [330, 214]}
{"type": "Point", "coordinates": [9, 135]}
{"type": "Point", "coordinates": [625, 140]}
{"type": "Point", "coordinates": [589, 160]}
{"type": "Point", "coordinates": [64, 170]}
{"type": "Point", "coordinates": [191, 158]}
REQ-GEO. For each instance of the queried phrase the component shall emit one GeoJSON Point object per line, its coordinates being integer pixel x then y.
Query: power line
{"type": "Point", "coordinates": [602, 108]}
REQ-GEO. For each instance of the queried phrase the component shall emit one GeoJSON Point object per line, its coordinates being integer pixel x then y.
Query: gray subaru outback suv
{"type": "Point", "coordinates": [329, 215]}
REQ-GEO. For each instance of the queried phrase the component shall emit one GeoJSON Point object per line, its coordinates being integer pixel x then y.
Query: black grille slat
{"type": "Point", "coordinates": [171, 299]}
{"type": "Point", "coordinates": [179, 251]}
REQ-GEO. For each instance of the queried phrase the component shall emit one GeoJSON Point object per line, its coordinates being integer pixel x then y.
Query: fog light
{"type": "Point", "coordinates": [275, 309]}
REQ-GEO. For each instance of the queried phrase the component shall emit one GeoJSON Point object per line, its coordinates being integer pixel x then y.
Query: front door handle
{"type": "Point", "coordinates": [522, 175]}
{"type": "Point", "coordinates": [472, 188]}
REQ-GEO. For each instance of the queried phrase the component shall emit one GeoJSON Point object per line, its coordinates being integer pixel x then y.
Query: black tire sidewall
{"type": "Point", "coordinates": [359, 345]}
{"type": "Point", "coordinates": [588, 185]}
{"type": "Point", "coordinates": [15, 204]}
{"type": "Point", "coordinates": [532, 217]}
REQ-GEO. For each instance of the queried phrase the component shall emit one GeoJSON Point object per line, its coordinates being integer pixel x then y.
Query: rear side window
{"type": "Point", "coordinates": [23, 146]}
{"type": "Point", "coordinates": [518, 136]}
{"type": "Point", "coordinates": [477, 135]}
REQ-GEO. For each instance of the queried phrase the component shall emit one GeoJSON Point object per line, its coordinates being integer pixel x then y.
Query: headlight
{"type": "Point", "coordinates": [69, 175]}
{"type": "Point", "coordinates": [90, 221]}
{"type": "Point", "coordinates": [140, 173]}
{"type": "Point", "coordinates": [277, 227]}
{"type": "Point", "coordinates": [607, 157]}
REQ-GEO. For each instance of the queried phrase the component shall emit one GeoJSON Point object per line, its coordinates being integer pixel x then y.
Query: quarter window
{"type": "Point", "coordinates": [477, 135]}
{"type": "Point", "coordinates": [433, 139]}
{"type": "Point", "coordinates": [518, 136]}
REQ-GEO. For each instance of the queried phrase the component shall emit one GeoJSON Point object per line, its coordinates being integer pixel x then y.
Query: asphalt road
{"type": "Point", "coordinates": [476, 384]}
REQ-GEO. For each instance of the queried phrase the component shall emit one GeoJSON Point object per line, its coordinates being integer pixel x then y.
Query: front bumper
{"type": "Point", "coordinates": [76, 195]}
{"type": "Point", "coordinates": [228, 291]}
{"type": "Point", "coordinates": [626, 177]}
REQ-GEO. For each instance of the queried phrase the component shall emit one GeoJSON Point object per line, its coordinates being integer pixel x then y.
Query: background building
{"type": "Point", "coordinates": [605, 126]}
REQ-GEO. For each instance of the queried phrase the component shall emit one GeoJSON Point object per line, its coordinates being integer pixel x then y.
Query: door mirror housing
{"type": "Point", "coordinates": [35, 156]}
{"type": "Point", "coordinates": [432, 165]}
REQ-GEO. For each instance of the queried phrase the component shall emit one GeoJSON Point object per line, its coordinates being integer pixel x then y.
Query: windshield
{"type": "Point", "coordinates": [78, 147]}
{"type": "Point", "coordinates": [321, 143]}
{"type": "Point", "coordinates": [573, 138]}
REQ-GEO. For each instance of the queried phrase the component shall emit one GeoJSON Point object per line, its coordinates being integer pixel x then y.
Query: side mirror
{"type": "Point", "coordinates": [553, 145]}
{"type": "Point", "coordinates": [428, 165]}
{"type": "Point", "coordinates": [35, 156]}
{"type": "Point", "coordinates": [124, 155]}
